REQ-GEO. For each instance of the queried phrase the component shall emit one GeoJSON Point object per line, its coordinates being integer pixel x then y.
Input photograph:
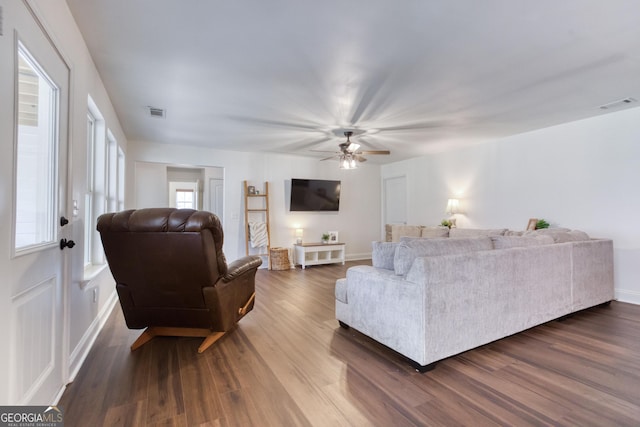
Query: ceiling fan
{"type": "Point", "coordinates": [349, 154]}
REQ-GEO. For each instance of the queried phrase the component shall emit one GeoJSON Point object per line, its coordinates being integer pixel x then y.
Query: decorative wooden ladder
{"type": "Point", "coordinates": [251, 211]}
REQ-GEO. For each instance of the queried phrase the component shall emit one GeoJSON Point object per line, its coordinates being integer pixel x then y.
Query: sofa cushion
{"type": "Point", "coordinates": [387, 232]}
{"type": "Point", "coordinates": [571, 236]}
{"type": "Point", "coordinates": [399, 230]}
{"type": "Point", "coordinates": [475, 232]}
{"type": "Point", "coordinates": [432, 232]}
{"type": "Point", "coordinates": [506, 242]}
{"type": "Point", "coordinates": [560, 235]}
{"type": "Point", "coordinates": [408, 251]}
{"type": "Point", "coordinates": [549, 231]}
{"type": "Point", "coordinates": [382, 254]}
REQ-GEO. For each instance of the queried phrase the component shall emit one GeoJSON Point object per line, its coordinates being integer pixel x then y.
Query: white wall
{"type": "Point", "coordinates": [358, 221]}
{"type": "Point", "coordinates": [582, 175]}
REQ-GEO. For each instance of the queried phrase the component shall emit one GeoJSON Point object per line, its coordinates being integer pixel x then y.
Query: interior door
{"type": "Point", "coordinates": [216, 197]}
{"type": "Point", "coordinates": [395, 200]}
{"type": "Point", "coordinates": [34, 93]}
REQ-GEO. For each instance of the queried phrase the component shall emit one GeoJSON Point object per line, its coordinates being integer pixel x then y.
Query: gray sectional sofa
{"type": "Point", "coordinates": [431, 298]}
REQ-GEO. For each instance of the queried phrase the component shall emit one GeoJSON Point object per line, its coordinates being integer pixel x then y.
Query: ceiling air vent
{"type": "Point", "coordinates": [156, 112]}
{"type": "Point", "coordinates": [617, 104]}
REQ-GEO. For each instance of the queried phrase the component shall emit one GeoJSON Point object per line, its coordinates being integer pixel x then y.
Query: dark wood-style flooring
{"type": "Point", "coordinates": [288, 363]}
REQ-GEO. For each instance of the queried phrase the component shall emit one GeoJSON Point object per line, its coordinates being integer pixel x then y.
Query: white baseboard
{"type": "Point", "coordinates": [625, 295]}
{"type": "Point", "coordinates": [358, 257]}
{"type": "Point", "coordinates": [79, 354]}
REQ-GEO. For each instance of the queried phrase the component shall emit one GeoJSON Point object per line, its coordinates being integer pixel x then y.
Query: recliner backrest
{"type": "Point", "coordinates": [163, 256]}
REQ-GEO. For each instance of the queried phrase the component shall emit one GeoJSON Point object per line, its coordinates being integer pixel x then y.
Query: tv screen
{"type": "Point", "coordinates": [314, 195]}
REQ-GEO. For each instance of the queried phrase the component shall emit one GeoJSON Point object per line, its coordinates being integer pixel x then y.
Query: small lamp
{"type": "Point", "coordinates": [453, 206]}
{"type": "Point", "coordinates": [299, 235]}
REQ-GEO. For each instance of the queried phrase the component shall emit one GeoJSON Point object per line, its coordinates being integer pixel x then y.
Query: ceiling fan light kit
{"type": "Point", "coordinates": [349, 156]}
{"type": "Point", "coordinates": [348, 161]}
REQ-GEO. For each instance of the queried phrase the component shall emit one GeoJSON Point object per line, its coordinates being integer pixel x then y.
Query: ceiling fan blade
{"type": "Point", "coordinates": [353, 147]}
{"type": "Point", "coordinates": [325, 151]}
{"type": "Point", "coordinates": [366, 142]}
{"type": "Point", "coordinates": [329, 158]}
{"type": "Point", "coordinates": [375, 152]}
{"type": "Point", "coordinates": [361, 158]}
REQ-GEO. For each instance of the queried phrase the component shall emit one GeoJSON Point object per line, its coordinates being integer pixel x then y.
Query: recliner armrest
{"type": "Point", "coordinates": [241, 266]}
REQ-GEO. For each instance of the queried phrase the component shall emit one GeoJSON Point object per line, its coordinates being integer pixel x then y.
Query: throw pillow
{"type": "Point", "coordinates": [383, 254]}
{"type": "Point", "coordinates": [550, 231]}
{"type": "Point", "coordinates": [475, 232]}
{"type": "Point", "coordinates": [571, 236]}
{"type": "Point", "coordinates": [408, 251]}
{"type": "Point", "coordinates": [398, 230]}
{"type": "Point", "coordinates": [432, 232]}
{"type": "Point", "coordinates": [506, 242]}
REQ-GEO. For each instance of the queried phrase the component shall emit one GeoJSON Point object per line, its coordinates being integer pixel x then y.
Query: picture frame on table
{"type": "Point", "coordinates": [531, 225]}
{"type": "Point", "coordinates": [333, 237]}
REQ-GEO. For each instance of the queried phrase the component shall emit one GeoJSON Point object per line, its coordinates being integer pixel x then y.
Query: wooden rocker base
{"type": "Point", "coordinates": [158, 331]}
{"type": "Point", "coordinates": [243, 310]}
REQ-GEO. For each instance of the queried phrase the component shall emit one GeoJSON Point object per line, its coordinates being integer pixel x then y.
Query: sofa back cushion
{"type": "Point", "coordinates": [506, 242]}
{"type": "Point", "coordinates": [571, 236]}
{"type": "Point", "coordinates": [399, 230]}
{"type": "Point", "coordinates": [382, 254]}
{"type": "Point", "coordinates": [561, 235]}
{"type": "Point", "coordinates": [554, 230]}
{"type": "Point", "coordinates": [433, 232]}
{"type": "Point", "coordinates": [407, 251]}
{"type": "Point", "coordinates": [475, 232]}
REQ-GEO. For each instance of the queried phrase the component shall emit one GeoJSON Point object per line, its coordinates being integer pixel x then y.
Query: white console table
{"type": "Point", "coordinates": [318, 253]}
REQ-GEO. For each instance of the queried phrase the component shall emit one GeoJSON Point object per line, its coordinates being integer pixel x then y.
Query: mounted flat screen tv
{"type": "Point", "coordinates": [310, 195]}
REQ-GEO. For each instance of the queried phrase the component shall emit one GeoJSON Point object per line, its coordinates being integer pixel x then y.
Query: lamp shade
{"type": "Point", "coordinates": [299, 233]}
{"type": "Point", "coordinates": [453, 206]}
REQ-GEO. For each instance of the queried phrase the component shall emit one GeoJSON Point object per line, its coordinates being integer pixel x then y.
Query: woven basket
{"type": "Point", "coordinates": [279, 259]}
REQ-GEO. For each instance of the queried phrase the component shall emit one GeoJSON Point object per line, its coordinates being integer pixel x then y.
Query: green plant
{"type": "Point", "coordinates": [541, 224]}
{"type": "Point", "coordinates": [446, 223]}
{"type": "Point", "coordinates": [325, 236]}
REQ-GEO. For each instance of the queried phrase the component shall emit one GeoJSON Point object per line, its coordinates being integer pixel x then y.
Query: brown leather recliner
{"type": "Point", "coordinates": [172, 276]}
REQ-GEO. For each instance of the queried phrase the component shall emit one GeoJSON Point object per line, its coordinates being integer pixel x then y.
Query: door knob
{"type": "Point", "coordinates": [64, 243]}
{"type": "Point", "coordinates": [63, 221]}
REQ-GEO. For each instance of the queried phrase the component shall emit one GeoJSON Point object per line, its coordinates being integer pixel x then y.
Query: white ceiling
{"type": "Point", "coordinates": [415, 75]}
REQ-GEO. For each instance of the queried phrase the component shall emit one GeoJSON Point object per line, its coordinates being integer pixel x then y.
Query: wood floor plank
{"type": "Point", "coordinates": [201, 400]}
{"type": "Point", "coordinates": [165, 394]}
{"type": "Point", "coordinates": [288, 363]}
{"type": "Point", "coordinates": [130, 414]}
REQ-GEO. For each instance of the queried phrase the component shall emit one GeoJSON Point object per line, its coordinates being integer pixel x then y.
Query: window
{"type": "Point", "coordinates": [112, 173]}
{"type": "Point", "coordinates": [183, 195]}
{"type": "Point", "coordinates": [120, 179]}
{"type": "Point", "coordinates": [88, 202]}
{"type": "Point", "coordinates": [95, 198]}
{"type": "Point", "coordinates": [35, 155]}
{"type": "Point", "coordinates": [185, 199]}
{"type": "Point", "coordinates": [105, 181]}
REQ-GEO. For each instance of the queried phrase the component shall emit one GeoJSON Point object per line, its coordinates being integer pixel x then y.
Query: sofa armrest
{"type": "Point", "coordinates": [387, 308]}
{"type": "Point", "coordinates": [241, 266]}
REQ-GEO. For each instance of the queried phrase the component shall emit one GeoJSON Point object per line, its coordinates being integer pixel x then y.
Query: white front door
{"type": "Point", "coordinates": [34, 93]}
